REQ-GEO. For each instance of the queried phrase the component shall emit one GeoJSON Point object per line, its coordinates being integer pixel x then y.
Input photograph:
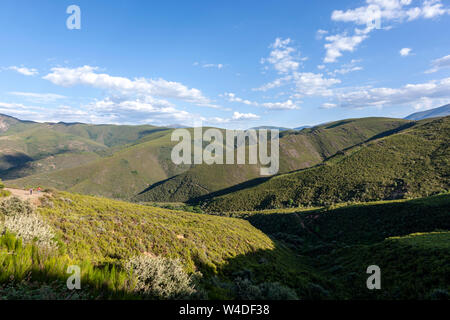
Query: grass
{"type": "Point", "coordinates": [21, 266]}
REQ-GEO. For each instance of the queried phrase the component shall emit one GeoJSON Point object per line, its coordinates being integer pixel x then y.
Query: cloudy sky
{"type": "Point", "coordinates": [234, 64]}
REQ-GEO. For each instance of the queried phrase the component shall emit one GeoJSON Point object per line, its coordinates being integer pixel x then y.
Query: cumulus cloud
{"type": "Point", "coordinates": [304, 83]}
{"type": "Point", "coordinates": [376, 11]}
{"type": "Point", "coordinates": [87, 75]}
{"type": "Point", "coordinates": [282, 56]}
{"type": "Point", "coordinates": [435, 91]}
{"type": "Point", "coordinates": [405, 52]}
{"type": "Point", "coordinates": [232, 98]}
{"type": "Point", "coordinates": [286, 105]}
{"type": "Point", "coordinates": [440, 63]}
{"type": "Point", "coordinates": [23, 70]}
{"type": "Point", "coordinates": [340, 43]}
{"type": "Point", "coordinates": [244, 116]}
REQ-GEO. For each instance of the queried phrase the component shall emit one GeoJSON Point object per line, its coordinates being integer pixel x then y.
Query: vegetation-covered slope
{"type": "Point", "coordinates": [408, 239]}
{"type": "Point", "coordinates": [298, 150]}
{"type": "Point", "coordinates": [28, 148]}
{"type": "Point", "coordinates": [98, 233]}
{"type": "Point", "coordinates": [411, 163]}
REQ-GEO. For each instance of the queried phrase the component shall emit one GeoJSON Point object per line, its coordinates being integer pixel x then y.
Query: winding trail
{"type": "Point", "coordinates": [25, 195]}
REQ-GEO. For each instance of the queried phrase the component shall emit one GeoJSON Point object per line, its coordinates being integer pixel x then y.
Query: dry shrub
{"type": "Point", "coordinates": [160, 278]}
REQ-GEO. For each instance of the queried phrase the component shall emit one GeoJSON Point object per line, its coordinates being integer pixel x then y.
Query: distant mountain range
{"type": "Point", "coordinates": [432, 113]}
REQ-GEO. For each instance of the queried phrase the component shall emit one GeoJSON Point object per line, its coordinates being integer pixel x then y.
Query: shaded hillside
{"type": "Point", "coordinates": [408, 239]}
{"type": "Point", "coordinates": [298, 150]}
{"type": "Point", "coordinates": [411, 163]}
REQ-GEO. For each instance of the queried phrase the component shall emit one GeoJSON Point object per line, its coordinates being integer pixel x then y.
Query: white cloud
{"type": "Point", "coordinates": [311, 84]}
{"type": "Point", "coordinates": [405, 52]}
{"type": "Point", "coordinates": [339, 43]}
{"type": "Point", "coordinates": [436, 91]}
{"type": "Point", "coordinates": [244, 116]}
{"type": "Point", "coordinates": [287, 105]}
{"type": "Point", "coordinates": [23, 70]}
{"type": "Point", "coordinates": [282, 56]}
{"type": "Point", "coordinates": [382, 11]}
{"type": "Point", "coordinates": [212, 65]}
{"type": "Point", "coordinates": [39, 97]}
{"type": "Point", "coordinates": [304, 83]}
{"type": "Point", "coordinates": [346, 70]}
{"type": "Point", "coordinates": [232, 98]}
{"type": "Point", "coordinates": [87, 75]}
{"type": "Point", "coordinates": [329, 105]}
{"type": "Point", "coordinates": [320, 34]}
{"type": "Point", "coordinates": [274, 84]}
{"type": "Point", "coordinates": [440, 63]}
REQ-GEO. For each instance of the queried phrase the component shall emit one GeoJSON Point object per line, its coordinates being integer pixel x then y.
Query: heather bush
{"type": "Point", "coordinates": [20, 219]}
{"type": "Point", "coordinates": [30, 228]}
{"type": "Point", "coordinates": [15, 206]}
{"type": "Point", "coordinates": [160, 278]}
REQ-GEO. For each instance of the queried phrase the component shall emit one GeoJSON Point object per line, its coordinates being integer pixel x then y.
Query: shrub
{"type": "Point", "coordinates": [21, 220]}
{"type": "Point", "coordinates": [31, 229]}
{"type": "Point", "coordinates": [15, 206]}
{"type": "Point", "coordinates": [160, 278]}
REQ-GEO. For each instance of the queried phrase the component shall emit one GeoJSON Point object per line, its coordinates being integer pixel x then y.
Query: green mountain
{"type": "Point", "coordinates": [28, 148]}
{"type": "Point", "coordinates": [298, 150]}
{"type": "Point", "coordinates": [411, 163]}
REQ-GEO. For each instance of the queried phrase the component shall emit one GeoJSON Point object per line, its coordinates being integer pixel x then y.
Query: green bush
{"type": "Point", "coordinates": [160, 278]}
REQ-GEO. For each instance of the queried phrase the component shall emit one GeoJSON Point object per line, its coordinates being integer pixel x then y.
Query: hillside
{"type": "Point", "coordinates": [131, 160]}
{"type": "Point", "coordinates": [298, 150]}
{"type": "Point", "coordinates": [411, 163]}
{"type": "Point", "coordinates": [121, 175]}
{"type": "Point", "coordinates": [443, 111]}
{"type": "Point", "coordinates": [98, 232]}
{"type": "Point", "coordinates": [319, 254]}
{"type": "Point", "coordinates": [408, 240]}
{"type": "Point", "coordinates": [29, 148]}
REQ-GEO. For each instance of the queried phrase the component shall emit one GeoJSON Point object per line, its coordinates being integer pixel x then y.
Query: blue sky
{"type": "Point", "coordinates": [234, 64]}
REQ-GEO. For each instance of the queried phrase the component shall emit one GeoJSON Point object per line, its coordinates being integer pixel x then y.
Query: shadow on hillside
{"type": "Point", "coordinates": [277, 274]}
{"type": "Point", "coordinates": [234, 188]}
{"type": "Point", "coordinates": [358, 224]}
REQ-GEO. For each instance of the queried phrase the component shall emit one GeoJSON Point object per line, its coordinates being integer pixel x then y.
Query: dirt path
{"type": "Point", "coordinates": [25, 195]}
